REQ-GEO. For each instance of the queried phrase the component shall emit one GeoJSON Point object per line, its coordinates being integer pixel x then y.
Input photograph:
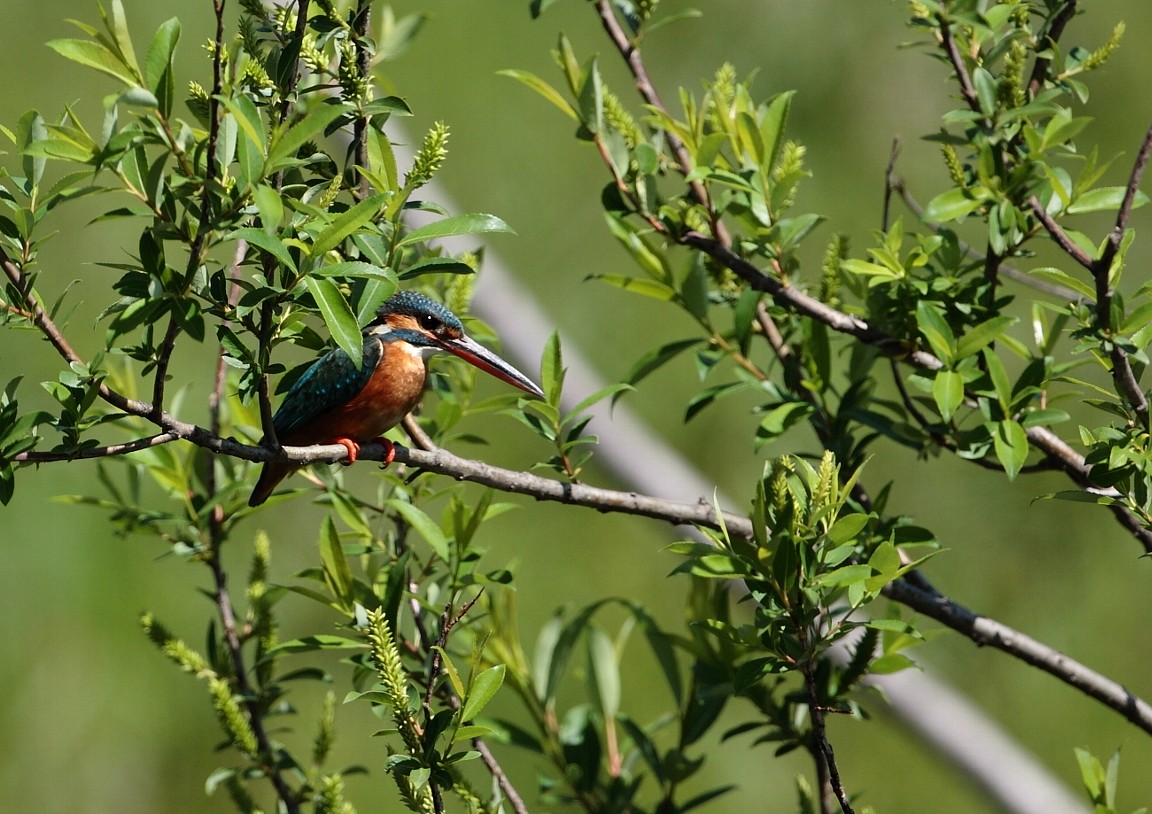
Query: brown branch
{"type": "Point", "coordinates": [1058, 234]}
{"type": "Point", "coordinates": [948, 43]}
{"type": "Point", "coordinates": [1055, 31]}
{"type": "Point", "coordinates": [364, 69]}
{"type": "Point", "coordinates": [97, 452]}
{"type": "Point", "coordinates": [988, 632]}
{"type": "Point", "coordinates": [648, 93]}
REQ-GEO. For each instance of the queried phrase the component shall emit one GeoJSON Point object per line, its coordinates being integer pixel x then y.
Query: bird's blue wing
{"type": "Point", "coordinates": [331, 381]}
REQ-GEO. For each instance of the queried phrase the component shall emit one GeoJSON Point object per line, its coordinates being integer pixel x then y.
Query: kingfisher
{"type": "Point", "coordinates": [333, 402]}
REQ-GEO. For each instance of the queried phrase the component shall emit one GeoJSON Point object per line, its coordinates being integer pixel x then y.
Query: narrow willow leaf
{"type": "Point", "coordinates": [285, 144]}
{"type": "Point", "coordinates": [269, 243]}
{"type": "Point", "coordinates": [976, 338]}
{"type": "Point", "coordinates": [456, 225]}
{"type": "Point", "coordinates": [338, 317]}
{"type": "Point", "coordinates": [951, 205]}
{"type": "Point", "coordinates": [537, 84]}
{"type": "Point", "coordinates": [936, 330]}
{"type": "Point", "coordinates": [1104, 198]}
{"type": "Point", "coordinates": [348, 222]}
{"type": "Point", "coordinates": [948, 392]}
{"type": "Point", "coordinates": [424, 525]}
{"type": "Point", "coordinates": [483, 688]}
{"type": "Point", "coordinates": [1011, 444]}
{"type": "Point", "coordinates": [336, 572]}
{"type": "Point", "coordinates": [605, 673]}
{"type": "Point", "coordinates": [94, 55]}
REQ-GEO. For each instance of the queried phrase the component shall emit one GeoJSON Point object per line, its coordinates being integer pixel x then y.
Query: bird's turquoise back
{"type": "Point", "coordinates": [330, 382]}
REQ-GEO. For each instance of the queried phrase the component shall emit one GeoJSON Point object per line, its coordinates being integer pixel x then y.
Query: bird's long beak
{"type": "Point", "coordinates": [479, 356]}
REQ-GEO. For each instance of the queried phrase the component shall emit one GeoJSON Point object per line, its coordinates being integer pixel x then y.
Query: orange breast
{"type": "Point", "coordinates": [390, 394]}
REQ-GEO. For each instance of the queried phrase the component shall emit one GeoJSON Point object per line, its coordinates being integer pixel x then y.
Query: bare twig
{"type": "Point", "coordinates": [1058, 234]}
{"type": "Point", "coordinates": [1055, 31]}
{"type": "Point", "coordinates": [97, 452]}
{"type": "Point", "coordinates": [948, 43]}
{"type": "Point", "coordinates": [989, 632]}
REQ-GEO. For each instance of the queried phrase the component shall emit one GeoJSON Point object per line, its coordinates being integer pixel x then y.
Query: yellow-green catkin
{"type": "Point", "coordinates": [721, 96]}
{"type": "Point", "coordinates": [175, 649]}
{"type": "Point", "coordinates": [354, 82]}
{"type": "Point", "coordinates": [326, 736]}
{"type": "Point", "coordinates": [430, 158]}
{"type": "Point", "coordinates": [330, 797]}
{"type": "Point", "coordinates": [390, 669]}
{"type": "Point", "coordinates": [461, 287]}
{"type": "Point", "coordinates": [955, 168]}
{"type": "Point", "coordinates": [1010, 89]}
{"type": "Point", "coordinates": [645, 9]}
{"type": "Point", "coordinates": [232, 717]}
{"type": "Point", "coordinates": [835, 253]}
{"type": "Point", "coordinates": [1101, 54]}
{"type": "Point", "coordinates": [617, 117]}
{"type": "Point", "coordinates": [262, 621]}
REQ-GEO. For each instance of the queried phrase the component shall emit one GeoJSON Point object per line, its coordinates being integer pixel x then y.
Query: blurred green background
{"type": "Point", "coordinates": [93, 719]}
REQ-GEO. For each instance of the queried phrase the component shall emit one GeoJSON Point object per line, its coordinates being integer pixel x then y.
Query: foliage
{"type": "Point", "coordinates": [280, 207]}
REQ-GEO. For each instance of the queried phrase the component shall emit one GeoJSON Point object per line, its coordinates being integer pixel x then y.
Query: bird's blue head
{"type": "Point", "coordinates": [429, 328]}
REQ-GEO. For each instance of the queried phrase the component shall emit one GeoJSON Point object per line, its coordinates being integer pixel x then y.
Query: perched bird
{"type": "Point", "coordinates": [334, 403]}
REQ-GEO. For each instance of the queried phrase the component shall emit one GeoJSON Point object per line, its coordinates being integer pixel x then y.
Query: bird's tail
{"type": "Point", "coordinates": [270, 477]}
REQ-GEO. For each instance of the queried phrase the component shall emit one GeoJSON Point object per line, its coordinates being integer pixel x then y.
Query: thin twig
{"type": "Point", "coordinates": [1055, 31]}
{"type": "Point", "coordinates": [1057, 233]}
{"type": "Point", "coordinates": [97, 452]}
{"type": "Point", "coordinates": [948, 43]}
{"type": "Point", "coordinates": [990, 633]}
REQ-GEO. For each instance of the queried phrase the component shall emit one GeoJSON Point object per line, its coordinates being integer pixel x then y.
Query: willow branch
{"type": "Point", "coordinates": [97, 452]}
{"type": "Point", "coordinates": [988, 632]}
{"type": "Point", "coordinates": [1055, 31]}
{"type": "Point", "coordinates": [1057, 233]}
{"type": "Point", "coordinates": [948, 43]}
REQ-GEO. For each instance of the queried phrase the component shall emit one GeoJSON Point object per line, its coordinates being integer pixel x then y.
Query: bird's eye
{"type": "Point", "coordinates": [429, 322]}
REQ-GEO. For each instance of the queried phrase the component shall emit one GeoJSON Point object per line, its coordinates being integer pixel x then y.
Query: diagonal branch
{"type": "Point", "coordinates": [988, 632]}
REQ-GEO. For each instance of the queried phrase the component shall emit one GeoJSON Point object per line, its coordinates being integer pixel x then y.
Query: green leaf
{"type": "Point", "coordinates": [948, 392]}
{"type": "Point", "coordinates": [158, 74]}
{"type": "Point", "coordinates": [1104, 198]}
{"type": "Point", "coordinates": [94, 55]}
{"type": "Point", "coordinates": [29, 130]}
{"type": "Point", "coordinates": [1055, 275]}
{"type": "Point", "coordinates": [319, 641]}
{"type": "Point", "coordinates": [605, 673]}
{"type": "Point", "coordinates": [248, 117]}
{"type": "Point", "coordinates": [337, 575]}
{"type": "Point", "coordinates": [269, 243]}
{"type": "Point", "coordinates": [974, 339]}
{"type": "Point", "coordinates": [951, 205]}
{"type": "Point", "coordinates": [484, 687]}
{"type": "Point", "coordinates": [591, 99]}
{"type": "Point", "coordinates": [772, 126]}
{"type": "Point", "coordinates": [1011, 444]}
{"type": "Point", "coordinates": [544, 89]}
{"type": "Point", "coordinates": [346, 223]}
{"type": "Point", "coordinates": [456, 225]}
{"type": "Point", "coordinates": [424, 525]}
{"type": "Point", "coordinates": [286, 143]}
{"type": "Point", "coordinates": [646, 288]}
{"type": "Point", "coordinates": [338, 317]}
{"type": "Point", "coordinates": [777, 420]}
{"type": "Point", "coordinates": [436, 265]}
{"type": "Point", "coordinates": [552, 369]}
{"type": "Point", "coordinates": [936, 330]}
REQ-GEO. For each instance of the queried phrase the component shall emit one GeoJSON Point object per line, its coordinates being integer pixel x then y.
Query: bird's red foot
{"type": "Point", "coordinates": [389, 451]}
{"type": "Point", "coordinates": [352, 447]}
